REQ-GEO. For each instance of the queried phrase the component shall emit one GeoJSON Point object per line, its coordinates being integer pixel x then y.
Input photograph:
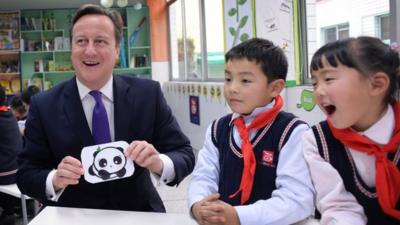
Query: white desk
{"type": "Point", "coordinates": [12, 189]}
{"type": "Point", "coordinates": [77, 216]}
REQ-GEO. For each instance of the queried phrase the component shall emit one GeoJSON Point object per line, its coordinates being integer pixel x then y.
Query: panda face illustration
{"type": "Point", "coordinates": [108, 163]}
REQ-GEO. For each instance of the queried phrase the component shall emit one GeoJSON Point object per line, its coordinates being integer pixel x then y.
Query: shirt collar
{"type": "Point", "coordinates": [382, 130]}
{"type": "Point", "coordinates": [106, 90]}
{"type": "Point", "coordinates": [257, 111]}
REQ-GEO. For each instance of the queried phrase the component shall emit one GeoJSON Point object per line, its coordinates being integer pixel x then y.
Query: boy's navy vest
{"type": "Point", "coordinates": [333, 151]}
{"type": "Point", "coordinates": [266, 144]}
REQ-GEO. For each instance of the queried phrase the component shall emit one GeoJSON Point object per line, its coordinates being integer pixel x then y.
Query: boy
{"type": "Point", "coordinates": [251, 169]}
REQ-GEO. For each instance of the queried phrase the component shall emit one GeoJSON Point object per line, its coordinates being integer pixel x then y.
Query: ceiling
{"type": "Point", "coordinates": [46, 4]}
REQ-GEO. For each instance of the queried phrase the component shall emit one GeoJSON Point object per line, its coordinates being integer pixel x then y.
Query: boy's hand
{"type": "Point", "coordinates": [225, 214]}
{"type": "Point", "coordinates": [212, 211]}
{"type": "Point", "coordinates": [201, 212]}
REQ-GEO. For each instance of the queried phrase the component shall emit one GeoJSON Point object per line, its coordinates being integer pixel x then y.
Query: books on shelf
{"type": "Point", "coordinates": [6, 85]}
{"type": "Point", "coordinates": [38, 65]}
{"type": "Point", "coordinates": [59, 43]}
{"type": "Point", "coordinates": [67, 43]}
{"type": "Point", "coordinates": [9, 30]}
{"type": "Point", "coordinates": [31, 45]}
{"type": "Point", "coordinates": [15, 85]}
{"type": "Point", "coordinates": [37, 82]}
{"type": "Point", "coordinates": [11, 86]}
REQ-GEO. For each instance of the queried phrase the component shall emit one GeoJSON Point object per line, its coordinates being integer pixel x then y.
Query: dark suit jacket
{"type": "Point", "coordinates": [57, 127]}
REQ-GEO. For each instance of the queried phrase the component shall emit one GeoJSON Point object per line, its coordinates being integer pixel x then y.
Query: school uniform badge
{"type": "Point", "coordinates": [268, 158]}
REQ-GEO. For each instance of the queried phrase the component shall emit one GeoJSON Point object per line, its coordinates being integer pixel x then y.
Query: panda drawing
{"type": "Point", "coordinates": [108, 163]}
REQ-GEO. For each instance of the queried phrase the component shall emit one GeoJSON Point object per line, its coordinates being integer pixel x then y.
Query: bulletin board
{"type": "Point", "coordinates": [274, 21]}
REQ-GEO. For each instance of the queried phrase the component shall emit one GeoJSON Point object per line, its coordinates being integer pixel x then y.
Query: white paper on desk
{"type": "Point", "coordinates": [106, 162]}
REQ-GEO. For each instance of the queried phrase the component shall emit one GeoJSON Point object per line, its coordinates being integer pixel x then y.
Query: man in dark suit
{"type": "Point", "coordinates": [60, 124]}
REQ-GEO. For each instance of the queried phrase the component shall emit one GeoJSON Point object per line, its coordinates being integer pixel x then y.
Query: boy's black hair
{"type": "Point", "coordinates": [2, 95]}
{"type": "Point", "coordinates": [368, 55]}
{"type": "Point", "coordinates": [270, 57]}
{"type": "Point", "coordinates": [17, 104]}
{"type": "Point", "coordinates": [27, 94]}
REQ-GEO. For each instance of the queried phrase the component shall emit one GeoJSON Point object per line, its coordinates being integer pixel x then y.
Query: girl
{"type": "Point", "coordinates": [353, 156]}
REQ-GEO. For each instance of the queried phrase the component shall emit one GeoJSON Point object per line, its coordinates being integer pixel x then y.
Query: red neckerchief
{"type": "Point", "coordinates": [3, 108]}
{"type": "Point", "coordinates": [387, 175]}
{"type": "Point", "coordinates": [249, 160]}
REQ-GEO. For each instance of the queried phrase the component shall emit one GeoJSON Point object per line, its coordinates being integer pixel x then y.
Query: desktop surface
{"type": "Point", "coordinates": [79, 216]}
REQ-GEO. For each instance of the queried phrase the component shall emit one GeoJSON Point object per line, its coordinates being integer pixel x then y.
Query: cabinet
{"type": "Point", "coordinates": [45, 46]}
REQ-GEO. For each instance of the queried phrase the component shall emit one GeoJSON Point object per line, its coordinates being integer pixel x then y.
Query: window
{"type": "Point", "coordinates": [334, 33]}
{"type": "Point", "coordinates": [192, 44]}
{"type": "Point", "coordinates": [196, 34]}
{"type": "Point", "coordinates": [176, 44]}
{"type": "Point", "coordinates": [382, 28]}
{"type": "Point", "coordinates": [333, 20]}
{"type": "Point", "coordinates": [214, 39]}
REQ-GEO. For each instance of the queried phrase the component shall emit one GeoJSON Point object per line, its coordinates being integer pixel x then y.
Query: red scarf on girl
{"type": "Point", "coordinates": [387, 175]}
{"type": "Point", "coordinates": [249, 160]}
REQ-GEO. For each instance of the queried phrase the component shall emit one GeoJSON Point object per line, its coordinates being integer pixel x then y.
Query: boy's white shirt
{"type": "Point", "coordinates": [336, 205]}
{"type": "Point", "coordinates": [292, 200]}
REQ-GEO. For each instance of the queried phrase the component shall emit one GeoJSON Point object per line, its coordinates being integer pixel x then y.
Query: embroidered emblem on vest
{"type": "Point", "coordinates": [268, 158]}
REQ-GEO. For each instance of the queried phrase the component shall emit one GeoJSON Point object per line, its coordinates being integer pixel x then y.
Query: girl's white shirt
{"type": "Point", "coordinates": [337, 205]}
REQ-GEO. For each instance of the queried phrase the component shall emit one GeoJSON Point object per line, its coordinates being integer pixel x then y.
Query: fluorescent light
{"type": "Point", "coordinates": [107, 3]}
{"type": "Point", "coordinates": [122, 3]}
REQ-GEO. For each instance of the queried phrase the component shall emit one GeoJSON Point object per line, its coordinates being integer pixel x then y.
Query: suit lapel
{"type": "Point", "coordinates": [122, 105]}
{"type": "Point", "coordinates": [75, 114]}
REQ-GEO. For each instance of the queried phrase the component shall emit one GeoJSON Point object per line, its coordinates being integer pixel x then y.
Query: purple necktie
{"type": "Point", "coordinates": [100, 127]}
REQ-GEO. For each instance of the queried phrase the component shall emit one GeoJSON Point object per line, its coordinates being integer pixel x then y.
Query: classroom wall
{"type": "Point", "coordinates": [212, 105]}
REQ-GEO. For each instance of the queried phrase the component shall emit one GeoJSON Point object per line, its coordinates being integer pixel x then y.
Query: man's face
{"type": "Point", "coordinates": [94, 50]}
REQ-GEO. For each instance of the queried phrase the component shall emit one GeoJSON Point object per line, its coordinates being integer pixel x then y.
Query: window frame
{"type": "Point", "coordinates": [203, 45]}
{"type": "Point", "coordinates": [338, 27]}
{"type": "Point", "coordinates": [378, 25]}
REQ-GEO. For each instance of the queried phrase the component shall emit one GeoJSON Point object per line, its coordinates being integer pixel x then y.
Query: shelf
{"type": "Point", "coordinates": [9, 76]}
{"type": "Point", "coordinates": [140, 47]}
{"type": "Point", "coordinates": [9, 52]}
{"type": "Point", "coordinates": [53, 72]}
{"type": "Point", "coordinates": [130, 69]}
{"type": "Point", "coordinates": [37, 52]}
{"type": "Point", "coordinates": [30, 31]}
{"type": "Point", "coordinates": [51, 48]}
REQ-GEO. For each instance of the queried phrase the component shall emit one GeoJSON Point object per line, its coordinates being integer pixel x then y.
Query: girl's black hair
{"type": "Point", "coordinates": [270, 57]}
{"type": "Point", "coordinates": [368, 55]}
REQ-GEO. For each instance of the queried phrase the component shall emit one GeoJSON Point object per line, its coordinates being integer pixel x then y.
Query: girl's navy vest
{"type": "Point", "coordinates": [334, 152]}
{"type": "Point", "coordinates": [266, 144]}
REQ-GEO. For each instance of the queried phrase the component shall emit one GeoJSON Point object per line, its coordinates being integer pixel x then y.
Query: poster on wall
{"type": "Point", "coordinates": [274, 21]}
{"type": "Point", "coordinates": [238, 22]}
{"type": "Point", "coordinates": [194, 109]}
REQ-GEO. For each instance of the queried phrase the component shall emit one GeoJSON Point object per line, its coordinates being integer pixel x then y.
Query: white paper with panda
{"type": "Point", "coordinates": [106, 162]}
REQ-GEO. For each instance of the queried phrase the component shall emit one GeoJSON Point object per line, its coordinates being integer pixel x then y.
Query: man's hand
{"type": "Point", "coordinates": [68, 173]}
{"type": "Point", "coordinates": [145, 155]}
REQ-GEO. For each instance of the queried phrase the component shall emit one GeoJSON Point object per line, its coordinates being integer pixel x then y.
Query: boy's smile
{"type": "Point", "coordinates": [246, 87]}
